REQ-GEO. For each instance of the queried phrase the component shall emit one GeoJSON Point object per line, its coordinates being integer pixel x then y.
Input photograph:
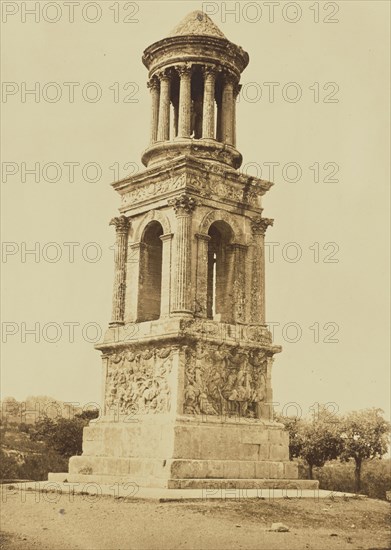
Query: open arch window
{"type": "Point", "coordinates": [220, 272]}
{"type": "Point", "coordinates": [150, 275]}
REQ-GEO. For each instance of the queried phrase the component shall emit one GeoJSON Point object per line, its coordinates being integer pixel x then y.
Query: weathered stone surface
{"type": "Point", "coordinates": [196, 22]}
{"type": "Point", "coordinates": [187, 358]}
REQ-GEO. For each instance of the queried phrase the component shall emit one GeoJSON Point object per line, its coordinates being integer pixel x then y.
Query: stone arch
{"type": "Point", "coordinates": [221, 215]}
{"type": "Point", "coordinates": [152, 215]}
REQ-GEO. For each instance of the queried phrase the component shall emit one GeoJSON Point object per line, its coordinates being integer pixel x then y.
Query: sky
{"type": "Point", "coordinates": [312, 117]}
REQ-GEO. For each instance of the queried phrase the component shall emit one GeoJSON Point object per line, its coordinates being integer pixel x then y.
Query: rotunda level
{"type": "Point", "coordinates": [194, 77]}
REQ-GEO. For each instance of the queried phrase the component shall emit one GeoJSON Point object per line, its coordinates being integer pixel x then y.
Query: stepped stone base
{"type": "Point", "coordinates": [209, 483]}
{"type": "Point", "coordinates": [184, 452]}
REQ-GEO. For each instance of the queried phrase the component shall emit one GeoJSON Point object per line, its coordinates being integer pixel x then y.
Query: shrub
{"type": "Point", "coordinates": [337, 476]}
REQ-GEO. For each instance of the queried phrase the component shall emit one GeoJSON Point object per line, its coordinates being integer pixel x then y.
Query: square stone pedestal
{"type": "Point", "coordinates": [185, 453]}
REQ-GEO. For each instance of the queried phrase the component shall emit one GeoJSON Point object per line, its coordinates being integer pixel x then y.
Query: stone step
{"type": "Point", "coordinates": [234, 484]}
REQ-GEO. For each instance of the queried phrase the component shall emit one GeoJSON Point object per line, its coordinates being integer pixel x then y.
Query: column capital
{"type": "Point", "coordinates": [122, 224]}
{"type": "Point", "coordinates": [163, 74]}
{"type": "Point", "coordinates": [230, 78]}
{"type": "Point", "coordinates": [237, 88]}
{"type": "Point", "coordinates": [259, 225]}
{"type": "Point", "coordinates": [183, 205]}
{"type": "Point", "coordinates": [153, 83]}
{"type": "Point", "coordinates": [184, 69]}
{"type": "Point", "coordinates": [209, 70]}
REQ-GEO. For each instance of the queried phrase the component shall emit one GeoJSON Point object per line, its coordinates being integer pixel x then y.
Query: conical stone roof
{"type": "Point", "coordinates": [197, 23]}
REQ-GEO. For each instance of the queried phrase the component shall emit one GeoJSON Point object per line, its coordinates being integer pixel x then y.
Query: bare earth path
{"type": "Point", "coordinates": [116, 524]}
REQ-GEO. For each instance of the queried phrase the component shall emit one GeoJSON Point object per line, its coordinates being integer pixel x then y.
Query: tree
{"type": "Point", "coordinates": [320, 442]}
{"type": "Point", "coordinates": [8, 466]}
{"type": "Point", "coordinates": [316, 441]}
{"type": "Point", "coordinates": [365, 435]}
{"type": "Point", "coordinates": [293, 427]}
{"type": "Point", "coordinates": [63, 435]}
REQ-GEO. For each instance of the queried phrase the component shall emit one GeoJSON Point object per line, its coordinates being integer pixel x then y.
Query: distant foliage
{"type": "Point", "coordinates": [9, 466]}
{"type": "Point", "coordinates": [31, 451]}
{"type": "Point", "coordinates": [37, 467]}
{"type": "Point", "coordinates": [358, 439]}
{"type": "Point", "coordinates": [339, 476]}
{"type": "Point", "coordinates": [65, 436]}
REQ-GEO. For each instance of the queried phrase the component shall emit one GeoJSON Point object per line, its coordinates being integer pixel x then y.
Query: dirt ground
{"type": "Point", "coordinates": [32, 521]}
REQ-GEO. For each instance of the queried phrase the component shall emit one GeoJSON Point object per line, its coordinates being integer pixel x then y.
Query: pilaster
{"type": "Point", "coordinates": [259, 226]}
{"type": "Point", "coordinates": [184, 206]}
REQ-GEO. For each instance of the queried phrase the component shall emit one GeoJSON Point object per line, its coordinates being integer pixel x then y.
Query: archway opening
{"type": "Point", "coordinates": [219, 272]}
{"type": "Point", "coordinates": [150, 276]}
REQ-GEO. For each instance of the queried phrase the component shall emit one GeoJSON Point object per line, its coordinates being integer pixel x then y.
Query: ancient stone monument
{"type": "Point", "coordinates": [187, 357]}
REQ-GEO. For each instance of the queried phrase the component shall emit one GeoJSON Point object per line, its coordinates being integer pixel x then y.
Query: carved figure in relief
{"type": "Point", "coordinates": [138, 381]}
{"type": "Point", "coordinates": [224, 380]}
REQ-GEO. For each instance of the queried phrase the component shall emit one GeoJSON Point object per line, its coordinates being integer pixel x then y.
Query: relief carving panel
{"type": "Point", "coordinates": [207, 186]}
{"type": "Point", "coordinates": [137, 381]}
{"type": "Point", "coordinates": [222, 380]}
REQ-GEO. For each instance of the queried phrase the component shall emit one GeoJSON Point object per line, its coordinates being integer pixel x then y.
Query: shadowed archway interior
{"type": "Point", "coordinates": [150, 277]}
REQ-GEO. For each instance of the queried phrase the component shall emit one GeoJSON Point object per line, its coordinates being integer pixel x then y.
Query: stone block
{"type": "Point", "coordinates": [278, 452]}
{"type": "Point", "coordinates": [247, 470]}
{"type": "Point", "coordinates": [263, 451]}
{"type": "Point", "coordinates": [291, 470]}
{"type": "Point", "coordinates": [262, 470]}
{"type": "Point", "coordinates": [276, 470]}
{"type": "Point", "coordinates": [215, 468]}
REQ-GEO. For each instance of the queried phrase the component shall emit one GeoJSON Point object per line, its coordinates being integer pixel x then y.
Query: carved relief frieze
{"type": "Point", "coordinates": [207, 185]}
{"type": "Point", "coordinates": [137, 381]}
{"type": "Point", "coordinates": [242, 334]}
{"type": "Point", "coordinates": [224, 380]}
{"type": "Point", "coordinates": [155, 189]}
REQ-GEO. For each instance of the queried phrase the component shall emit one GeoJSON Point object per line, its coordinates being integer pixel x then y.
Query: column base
{"type": "Point", "coordinates": [203, 148]}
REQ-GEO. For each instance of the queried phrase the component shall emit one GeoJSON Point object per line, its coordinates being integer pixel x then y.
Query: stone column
{"type": "Point", "coordinates": [184, 100]}
{"type": "Point", "coordinates": [122, 228]}
{"type": "Point", "coordinates": [236, 91]}
{"type": "Point", "coordinates": [153, 85]}
{"type": "Point", "coordinates": [219, 119]}
{"type": "Point", "coordinates": [227, 103]}
{"type": "Point", "coordinates": [258, 226]}
{"type": "Point", "coordinates": [201, 305]}
{"type": "Point", "coordinates": [183, 206]}
{"type": "Point", "coordinates": [166, 275]}
{"type": "Point", "coordinates": [164, 107]}
{"type": "Point", "coordinates": [208, 120]}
